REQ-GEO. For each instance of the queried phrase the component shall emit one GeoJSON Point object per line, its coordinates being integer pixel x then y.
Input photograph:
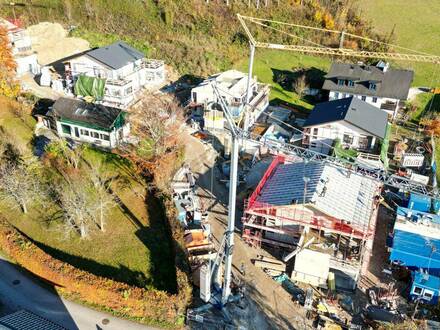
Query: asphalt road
{"type": "Point", "coordinates": [20, 291]}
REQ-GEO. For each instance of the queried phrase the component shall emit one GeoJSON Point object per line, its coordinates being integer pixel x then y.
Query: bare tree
{"type": "Point", "coordinates": [104, 200]}
{"type": "Point", "coordinates": [18, 185]}
{"type": "Point", "coordinates": [300, 85]}
{"type": "Point", "coordinates": [77, 206]}
{"type": "Point", "coordinates": [158, 118]}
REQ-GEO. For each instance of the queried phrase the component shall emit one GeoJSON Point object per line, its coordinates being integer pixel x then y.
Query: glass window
{"type": "Point", "coordinates": [66, 129]}
{"type": "Point", "coordinates": [417, 290]}
{"type": "Point", "coordinates": [85, 132]}
{"type": "Point", "coordinates": [315, 131]}
{"type": "Point", "coordinates": [336, 95]}
{"type": "Point", "coordinates": [373, 86]}
{"type": "Point", "coordinates": [428, 294]}
{"type": "Point", "coordinates": [350, 83]}
{"type": "Point", "coordinates": [348, 138]}
{"type": "Point", "coordinates": [374, 99]}
{"type": "Point", "coordinates": [95, 135]}
{"type": "Point", "coordinates": [341, 82]}
{"type": "Point", "coordinates": [128, 91]}
{"type": "Point", "coordinates": [105, 137]}
{"type": "Point", "coordinates": [363, 98]}
{"type": "Point", "coordinates": [344, 96]}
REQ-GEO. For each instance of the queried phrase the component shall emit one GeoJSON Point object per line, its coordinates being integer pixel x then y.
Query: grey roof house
{"type": "Point", "coordinates": [355, 123]}
{"type": "Point", "coordinates": [125, 71]}
{"type": "Point", "coordinates": [378, 85]}
{"type": "Point", "coordinates": [88, 122]}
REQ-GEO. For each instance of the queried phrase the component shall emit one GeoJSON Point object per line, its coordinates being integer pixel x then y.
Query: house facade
{"type": "Point", "coordinates": [88, 122]}
{"type": "Point", "coordinates": [232, 86]}
{"type": "Point", "coordinates": [21, 47]}
{"type": "Point", "coordinates": [355, 123]}
{"type": "Point", "coordinates": [125, 70]}
{"type": "Point", "coordinates": [379, 85]}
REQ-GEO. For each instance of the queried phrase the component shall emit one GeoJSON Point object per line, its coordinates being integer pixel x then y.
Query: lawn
{"type": "Point", "coordinates": [136, 247]}
{"type": "Point", "coordinates": [268, 61]}
{"type": "Point", "coordinates": [417, 26]}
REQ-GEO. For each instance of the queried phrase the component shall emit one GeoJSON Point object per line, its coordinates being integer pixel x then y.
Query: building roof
{"type": "Point", "coordinates": [116, 55]}
{"type": "Point", "coordinates": [392, 83]}
{"type": "Point", "coordinates": [26, 320]}
{"type": "Point", "coordinates": [330, 190]}
{"type": "Point", "coordinates": [426, 280]}
{"type": "Point", "coordinates": [352, 110]}
{"type": "Point", "coordinates": [416, 241]}
{"type": "Point", "coordinates": [86, 114]}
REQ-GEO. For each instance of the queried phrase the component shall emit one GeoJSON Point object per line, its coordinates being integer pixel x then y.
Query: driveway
{"type": "Point", "coordinates": [21, 291]}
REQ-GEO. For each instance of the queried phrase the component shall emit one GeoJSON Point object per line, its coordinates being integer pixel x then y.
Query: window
{"type": "Point", "coordinates": [117, 92]}
{"type": "Point", "coordinates": [350, 83]}
{"type": "Point", "coordinates": [85, 132]}
{"type": "Point", "coordinates": [95, 135]}
{"type": "Point", "coordinates": [348, 138]}
{"type": "Point", "coordinates": [105, 137]}
{"type": "Point", "coordinates": [315, 131]}
{"type": "Point", "coordinates": [374, 99]}
{"type": "Point", "coordinates": [66, 129]}
{"type": "Point", "coordinates": [428, 294]}
{"type": "Point", "coordinates": [341, 82]}
{"type": "Point", "coordinates": [128, 91]}
{"type": "Point", "coordinates": [336, 95]}
{"type": "Point", "coordinates": [417, 290]}
{"type": "Point", "coordinates": [372, 86]}
{"type": "Point", "coordinates": [363, 98]}
{"type": "Point", "coordinates": [344, 96]}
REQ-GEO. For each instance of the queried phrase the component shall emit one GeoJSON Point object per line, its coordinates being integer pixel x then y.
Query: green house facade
{"type": "Point", "coordinates": [90, 123]}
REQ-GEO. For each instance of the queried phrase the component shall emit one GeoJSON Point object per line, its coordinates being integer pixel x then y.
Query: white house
{"type": "Point", "coordinates": [125, 70]}
{"type": "Point", "coordinates": [380, 85]}
{"type": "Point", "coordinates": [88, 122]}
{"type": "Point", "coordinates": [21, 47]}
{"type": "Point", "coordinates": [232, 86]}
{"type": "Point", "coordinates": [357, 124]}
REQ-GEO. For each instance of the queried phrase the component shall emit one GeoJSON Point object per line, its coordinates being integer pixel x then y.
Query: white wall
{"type": "Point", "coordinates": [112, 143]}
{"type": "Point", "coordinates": [368, 99]}
{"type": "Point", "coordinates": [323, 139]}
{"type": "Point", "coordinates": [27, 64]}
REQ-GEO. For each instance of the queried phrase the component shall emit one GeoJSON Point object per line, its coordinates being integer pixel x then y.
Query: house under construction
{"type": "Point", "coordinates": [321, 214]}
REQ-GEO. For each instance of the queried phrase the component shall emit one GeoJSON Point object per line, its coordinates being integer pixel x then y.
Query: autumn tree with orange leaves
{"type": "Point", "coordinates": [8, 85]}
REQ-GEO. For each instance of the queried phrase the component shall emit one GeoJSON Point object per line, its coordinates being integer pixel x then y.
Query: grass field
{"type": "Point", "coordinates": [417, 26]}
{"type": "Point", "coordinates": [266, 61]}
{"type": "Point", "coordinates": [136, 247]}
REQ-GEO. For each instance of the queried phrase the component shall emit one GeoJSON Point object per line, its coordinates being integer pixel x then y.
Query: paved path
{"type": "Point", "coordinates": [27, 294]}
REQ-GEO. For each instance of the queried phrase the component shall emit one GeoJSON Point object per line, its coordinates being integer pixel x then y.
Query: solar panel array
{"type": "Point", "coordinates": [25, 320]}
{"type": "Point", "coordinates": [331, 189]}
{"type": "Point", "coordinates": [287, 184]}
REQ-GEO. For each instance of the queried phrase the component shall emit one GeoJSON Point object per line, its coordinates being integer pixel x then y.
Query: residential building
{"type": "Point", "coordinates": [88, 122]}
{"type": "Point", "coordinates": [232, 86]}
{"type": "Point", "coordinates": [379, 85]}
{"type": "Point", "coordinates": [21, 47]}
{"type": "Point", "coordinates": [306, 205]}
{"type": "Point", "coordinates": [125, 70]}
{"type": "Point", "coordinates": [357, 125]}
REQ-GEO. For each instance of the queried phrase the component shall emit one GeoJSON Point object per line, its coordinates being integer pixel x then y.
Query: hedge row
{"type": "Point", "coordinates": [148, 306]}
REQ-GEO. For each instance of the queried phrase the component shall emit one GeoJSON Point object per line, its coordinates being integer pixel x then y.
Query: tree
{"type": "Point", "coordinates": [77, 206]}
{"type": "Point", "coordinates": [60, 149]}
{"type": "Point", "coordinates": [300, 84]}
{"type": "Point", "coordinates": [104, 200]}
{"type": "Point", "coordinates": [157, 122]}
{"type": "Point", "coordinates": [18, 185]}
{"type": "Point", "coordinates": [8, 85]}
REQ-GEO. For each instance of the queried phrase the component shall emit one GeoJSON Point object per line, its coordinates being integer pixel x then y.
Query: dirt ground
{"type": "Point", "coordinates": [51, 42]}
{"type": "Point", "coordinates": [269, 306]}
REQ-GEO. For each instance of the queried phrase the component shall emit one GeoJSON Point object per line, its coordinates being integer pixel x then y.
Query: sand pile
{"type": "Point", "coordinates": [51, 43]}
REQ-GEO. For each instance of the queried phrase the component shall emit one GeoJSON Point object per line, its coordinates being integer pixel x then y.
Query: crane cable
{"type": "Point", "coordinates": [254, 20]}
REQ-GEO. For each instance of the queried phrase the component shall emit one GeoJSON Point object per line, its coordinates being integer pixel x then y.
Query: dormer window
{"type": "Point", "coordinates": [372, 86]}
{"type": "Point", "coordinates": [350, 83]}
{"type": "Point", "coordinates": [341, 82]}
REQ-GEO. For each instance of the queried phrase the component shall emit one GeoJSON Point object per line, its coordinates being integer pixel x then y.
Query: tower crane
{"type": "Point", "coordinates": [241, 135]}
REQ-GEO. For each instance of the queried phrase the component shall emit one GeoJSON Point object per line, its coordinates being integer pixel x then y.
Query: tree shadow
{"type": "Point", "coordinates": [22, 289]}
{"type": "Point", "coordinates": [314, 77]}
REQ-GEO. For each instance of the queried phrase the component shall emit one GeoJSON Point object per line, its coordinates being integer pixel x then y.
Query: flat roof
{"type": "Point", "coordinates": [116, 55]}
{"type": "Point", "coordinates": [26, 320]}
